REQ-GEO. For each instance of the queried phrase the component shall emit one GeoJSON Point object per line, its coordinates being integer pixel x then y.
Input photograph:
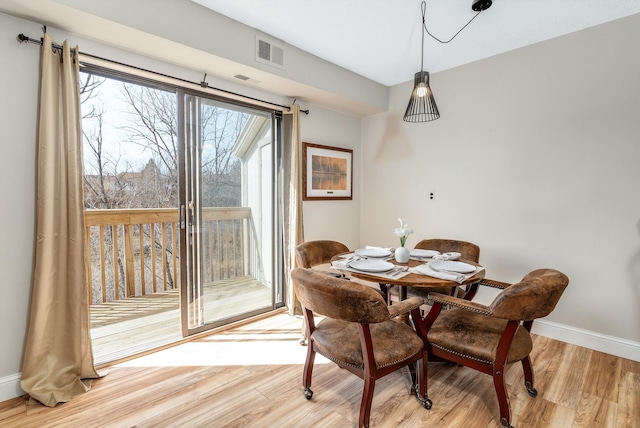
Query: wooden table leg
{"type": "Point", "coordinates": [386, 290]}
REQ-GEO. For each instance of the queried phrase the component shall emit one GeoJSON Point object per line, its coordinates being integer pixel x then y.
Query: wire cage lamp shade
{"type": "Point", "coordinates": [422, 106]}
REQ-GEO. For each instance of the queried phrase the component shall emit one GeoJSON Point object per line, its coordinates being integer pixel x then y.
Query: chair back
{"type": "Point", "coordinates": [467, 250]}
{"type": "Point", "coordinates": [312, 253]}
{"type": "Point", "coordinates": [535, 296]}
{"type": "Point", "coordinates": [337, 298]}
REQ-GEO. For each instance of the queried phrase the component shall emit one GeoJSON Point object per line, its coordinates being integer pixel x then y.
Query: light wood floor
{"type": "Point", "coordinates": [250, 376]}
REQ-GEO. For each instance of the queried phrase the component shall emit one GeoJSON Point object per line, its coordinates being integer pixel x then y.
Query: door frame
{"type": "Point", "coordinates": [278, 294]}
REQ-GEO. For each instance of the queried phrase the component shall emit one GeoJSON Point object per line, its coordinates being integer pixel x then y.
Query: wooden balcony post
{"type": "Point", "coordinates": [129, 275]}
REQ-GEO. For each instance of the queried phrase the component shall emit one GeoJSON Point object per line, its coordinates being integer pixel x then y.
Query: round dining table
{"type": "Point", "coordinates": [411, 279]}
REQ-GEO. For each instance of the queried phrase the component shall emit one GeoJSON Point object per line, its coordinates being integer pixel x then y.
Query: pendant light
{"type": "Point", "coordinates": [422, 106]}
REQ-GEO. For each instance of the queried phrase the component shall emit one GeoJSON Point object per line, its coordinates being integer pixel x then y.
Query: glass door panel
{"type": "Point", "coordinates": [226, 195]}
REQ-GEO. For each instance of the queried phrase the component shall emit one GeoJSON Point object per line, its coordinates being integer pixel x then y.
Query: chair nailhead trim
{"type": "Point", "coordinates": [461, 354]}
{"type": "Point", "coordinates": [468, 308]}
{"type": "Point", "coordinates": [340, 362]}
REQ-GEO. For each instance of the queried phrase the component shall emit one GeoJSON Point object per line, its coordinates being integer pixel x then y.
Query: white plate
{"type": "Point", "coordinates": [373, 252]}
{"type": "Point", "coordinates": [417, 252]}
{"type": "Point", "coordinates": [369, 265]}
{"type": "Point", "coordinates": [451, 266]}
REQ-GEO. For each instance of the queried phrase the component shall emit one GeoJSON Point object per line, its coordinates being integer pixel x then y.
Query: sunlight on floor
{"type": "Point", "coordinates": [255, 345]}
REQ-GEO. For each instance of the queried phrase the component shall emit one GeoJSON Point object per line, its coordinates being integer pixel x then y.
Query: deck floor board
{"type": "Point", "coordinates": [137, 324]}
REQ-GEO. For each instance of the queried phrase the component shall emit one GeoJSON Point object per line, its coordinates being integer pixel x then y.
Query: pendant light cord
{"type": "Point", "coordinates": [424, 24]}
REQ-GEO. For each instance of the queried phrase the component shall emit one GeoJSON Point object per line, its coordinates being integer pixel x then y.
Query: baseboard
{"type": "Point", "coordinates": [588, 339]}
{"type": "Point", "coordinates": [10, 387]}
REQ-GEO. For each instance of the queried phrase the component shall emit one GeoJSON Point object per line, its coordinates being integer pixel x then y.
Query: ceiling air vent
{"type": "Point", "coordinates": [269, 53]}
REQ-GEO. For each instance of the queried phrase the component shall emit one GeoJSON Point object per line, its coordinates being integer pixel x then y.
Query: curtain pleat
{"type": "Point", "coordinates": [292, 198]}
{"type": "Point", "coordinates": [58, 360]}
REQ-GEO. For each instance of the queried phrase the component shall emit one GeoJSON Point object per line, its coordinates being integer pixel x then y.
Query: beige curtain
{"type": "Point", "coordinates": [58, 361]}
{"type": "Point", "coordinates": [292, 198]}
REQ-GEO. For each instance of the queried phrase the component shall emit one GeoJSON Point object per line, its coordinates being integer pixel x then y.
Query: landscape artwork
{"type": "Point", "coordinates": [327, 172]}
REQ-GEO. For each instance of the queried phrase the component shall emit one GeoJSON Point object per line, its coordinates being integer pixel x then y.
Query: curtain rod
{"type": "Point", "coordinates": [25, 39]}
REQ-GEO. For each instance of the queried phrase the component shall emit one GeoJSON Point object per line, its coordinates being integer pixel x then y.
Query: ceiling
{"type": "Point", "coordinates": [377, 39]}
{"type": "Point", "coordinates": [380, 39]}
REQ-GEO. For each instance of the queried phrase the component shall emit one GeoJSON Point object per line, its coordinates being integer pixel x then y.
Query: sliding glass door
{"type": "Point", "coordinates": [227, 159]}
{"type": "Point", "coordinates": [179, 195]}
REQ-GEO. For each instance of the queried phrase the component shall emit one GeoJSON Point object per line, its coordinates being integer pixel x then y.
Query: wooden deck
{"type": "Point", "coordinates": [130, 326]}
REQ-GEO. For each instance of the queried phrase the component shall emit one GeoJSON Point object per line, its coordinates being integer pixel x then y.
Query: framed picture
{"type": "Point", "coordinates": [327, 172]}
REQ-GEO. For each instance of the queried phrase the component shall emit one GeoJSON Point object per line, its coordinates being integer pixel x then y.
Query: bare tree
{"type": "Point", "coordinates": [153, 122]}
{"type": "Point", "coordinates": [153, 125]}
{"type": "Point", "coordinates": [146, 117]}
{"type": "Point", "coordinates": [221, 172]}
{"type": "Point", "coordinates": [89, 83]}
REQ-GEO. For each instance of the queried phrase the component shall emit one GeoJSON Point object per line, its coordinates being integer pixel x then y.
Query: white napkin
{"type": "Point", "coordinates": [425, 269]}
{"type": "Point", "coordinates": [447, 256]}
{"type": "Point", "coordinates": [341, 264]}
{"type": "Point", "coordinates": [347, 255]}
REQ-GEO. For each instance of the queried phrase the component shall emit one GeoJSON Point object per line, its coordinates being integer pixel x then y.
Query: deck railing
{"type": "Point", "coordinates": [135, 252]}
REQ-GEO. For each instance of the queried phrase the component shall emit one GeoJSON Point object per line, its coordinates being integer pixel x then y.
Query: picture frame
{"type": "Point", "coordinates": [327, 172]}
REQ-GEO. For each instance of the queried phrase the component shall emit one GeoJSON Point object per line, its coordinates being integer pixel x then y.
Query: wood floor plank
{"type": "Point", "coordinates": [192, 385]}
{"type": "Point", "coordinates": [451, 404]}
{"type": "Point", "coordinates": [629, 400]}
{"type": "Point", "coordinates": [630, 366]}
{"type": "Point", "coordinates": [546, 356]}
{"type": "Point", "coordinates": [566, 381]}
{"type": "Point", "coordinates": [595, 412]}
{"type": "Point", "coordinates": [603, 373]}
{"type": "Point", "coordinates": [541, 413]}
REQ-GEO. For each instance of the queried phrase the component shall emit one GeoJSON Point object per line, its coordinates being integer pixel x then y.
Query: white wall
{"type": "Point", "coordinates": [334, 220]}
{"type": "Point", "coordinates": [535, 159]}
{"type": "Point", "coordinates": [18, 120]}
{"type": "Point", "coordinates": [19, 91]}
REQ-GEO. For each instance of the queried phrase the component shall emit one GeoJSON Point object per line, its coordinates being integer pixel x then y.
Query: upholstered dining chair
{"type": "Point", "coordinates": [468, 251]}
{"type": "Point", "coordinates": [488, 338]}
{"type": "Point", "coordinates": [359, 334]}
{"type": "Point", "coordinates": [314, 253]}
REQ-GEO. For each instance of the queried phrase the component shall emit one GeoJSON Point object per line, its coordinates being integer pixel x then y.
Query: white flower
{"type": "Point", "coordinates": [403, 231]}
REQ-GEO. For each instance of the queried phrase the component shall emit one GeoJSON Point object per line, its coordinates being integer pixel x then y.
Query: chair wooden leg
{"type": "Point", "coordinates": [308, 371]}
{"type": "Point", "coordinates": [367, 399]}
{"type": "Point", "coordinates": [503, 397]}
{"type": "Point", "coordinates": [421, 377]}
{"type": "Point", "coordinates": [527, 367]}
